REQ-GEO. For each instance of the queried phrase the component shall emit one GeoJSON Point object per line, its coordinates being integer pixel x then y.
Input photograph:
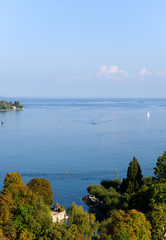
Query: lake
{"type": "Point", "coordinates": [89, 139]}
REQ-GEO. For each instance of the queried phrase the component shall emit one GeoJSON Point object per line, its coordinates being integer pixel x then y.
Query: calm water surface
{"type": "Point", "coordinates": [88, 137]}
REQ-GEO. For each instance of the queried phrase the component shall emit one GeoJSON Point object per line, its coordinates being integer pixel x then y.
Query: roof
{"type": "Point", "coordinates": [57, 205]}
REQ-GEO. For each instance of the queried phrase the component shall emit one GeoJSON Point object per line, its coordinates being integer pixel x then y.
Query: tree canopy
{"type": "Point", "coordinates": [85, 222]}
{"type": "Point", "coordinates": [158, 221]}
{"type": "Point", "coordinates": [158, 194]}
{"type": "Point", "coordinates": [25, 209]}
{"type": "Point", "coordinates": [42, 187]}
{"type": "Point", "coordinates": [115, 183]}
{"type": "Point", "coordinates": [160, 169]}
{"type": "Point", "coordinates": [131, 225]}
{"type": "Point", "coordinates": [25, 216]}
{"type": "Point", "coordinates": [21, 209]}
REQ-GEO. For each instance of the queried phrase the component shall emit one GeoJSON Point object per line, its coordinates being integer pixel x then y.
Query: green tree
{"type": "Point", "coordinates": [131, 225]}
{"type": "Point", "coordinates": [42, 187]}
{"type": "Point", "coordinates": [141, 200]}
{"type": "Point", "coordinates": [160, 169]}
{"type": "Point", "coordinates": [158, 194]}
{"type": "Point", "coordinates": [5, 105]}
{"type": "Point", "coordinates": [123, 186]}
{"type": "Point", "coordinates": [85, 222]}
{"type": "Point", "coordinates": [97, 190]}
{"type": "Point", "coordinates": [148, 181]}
{"type": "Point", "coordinates": [134, 177]}
{"type": "Point", "coordinates": [158, 222]}
{"type": "Point", "coordinates": [115, 183]}
{"type": "Point", "coordinates": [110, 198]}
{"type": "Point", "coordinates": [64, 232]}
{"type": "Point", "coordinates": [17, 104]}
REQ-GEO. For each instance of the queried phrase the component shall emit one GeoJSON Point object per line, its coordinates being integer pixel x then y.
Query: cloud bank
{"type": "Point", "coordinates": [144, 72]}
{"type": "Point", "coordinates": [112, 72]}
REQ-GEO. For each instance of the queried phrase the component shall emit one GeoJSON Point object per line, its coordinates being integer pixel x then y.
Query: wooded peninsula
{"type": "Point", "coordinates": [8, 106]}
{"type": "Point", "coordinates": [130, 209]}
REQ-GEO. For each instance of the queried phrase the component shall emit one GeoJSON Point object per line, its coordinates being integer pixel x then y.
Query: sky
{"type": "Point", "coordinates": [88, 48]}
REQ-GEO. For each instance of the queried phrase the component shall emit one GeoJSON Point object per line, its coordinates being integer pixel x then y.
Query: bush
{"type": "Point", "coordinates": [115, 183]}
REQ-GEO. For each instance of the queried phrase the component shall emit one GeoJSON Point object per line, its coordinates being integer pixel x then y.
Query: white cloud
{"type": "Point", "coordinates": [144, 72]}
{"type": "Point", "coordinates": [103, 69]}
{"type": "Point", "coordinates": [111, 71]}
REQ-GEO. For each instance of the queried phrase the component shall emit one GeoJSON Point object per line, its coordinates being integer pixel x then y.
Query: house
{"type": "Point", "coordinates": [14, 108]}
{"type": "Point", "coordinates": [58, 213]}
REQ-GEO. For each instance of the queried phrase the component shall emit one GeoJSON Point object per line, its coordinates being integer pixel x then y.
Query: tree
{"type": "Point", "coordinates": [12, 178]}
{"type": "Point", "coordinates": [160, 169]}
{"type": "Point", "coordinates": [141, 200]}
{"type": "Point", "coordinates": [42, 187]}
{"type": "Point", "coordinates": [63, 232]}
{"type": "Point", "coordinates": [110, 198]}
{"type": "Point", "coordinates": [123, 186]}
{"type": "Point", "coordinates": [148, 181]}
{"type": "Point", "coordinates": [115, 183]}
{"type": "Point", "coordinates": [17, 104]}
{"type": "Point", "coordinates": [131, 225]}
{"type": "Point", "coordinates": [157, 219]}
{"type": "Point", "coordinates": [158, 194]}
{"type": "Point", "coordinates": [97, 190]}
{"type": "Point", "coordinates": [23, 214]}
{"type": "Point", "coordinates": [85, 222]}
{"type": "Point", "coordinates": [16, 207]}
{"type": "Point", "coordinates": [134, 178]}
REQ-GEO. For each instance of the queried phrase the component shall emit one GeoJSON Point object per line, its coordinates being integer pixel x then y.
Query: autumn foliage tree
{"type": "Point", "coordinates": [131, 225]}
{"type": "Point", "coordinates": [25, 214]}
{"type": "Point", "coordinates": [42, 187]}
{"type": "Point", "coordinates": [21, 210]}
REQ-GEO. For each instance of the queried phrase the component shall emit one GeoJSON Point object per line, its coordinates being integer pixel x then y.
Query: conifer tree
{"type": "Point", "coordinates": [134, 179]}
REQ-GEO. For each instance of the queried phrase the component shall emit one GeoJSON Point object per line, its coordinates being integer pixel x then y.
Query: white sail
{"type": "Point", "coordinates": [148, 114]}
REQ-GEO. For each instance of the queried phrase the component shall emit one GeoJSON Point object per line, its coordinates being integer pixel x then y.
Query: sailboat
{"type": "Point", "coordinates": [148, 114]}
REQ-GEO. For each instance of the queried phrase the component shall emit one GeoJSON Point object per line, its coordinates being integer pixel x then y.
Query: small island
{"type": "Point", "coordinates": [7, 106]}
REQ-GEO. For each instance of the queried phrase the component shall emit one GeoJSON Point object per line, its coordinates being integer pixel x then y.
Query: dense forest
{"type": "Point", "coordinates": [133, 209]}
{"type": "Point", "coordinates": [4, 106]}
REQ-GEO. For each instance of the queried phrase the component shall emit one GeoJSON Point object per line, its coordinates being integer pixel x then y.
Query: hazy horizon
{"type": "Point", "coordinates": [100, 98]}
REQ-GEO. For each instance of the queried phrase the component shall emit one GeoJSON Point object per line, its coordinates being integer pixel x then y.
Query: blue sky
{"type": "Point", "coordinates": [88, 48]}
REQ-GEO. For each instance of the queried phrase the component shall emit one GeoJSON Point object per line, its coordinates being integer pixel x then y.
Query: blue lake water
{"type": "Point", "coordinates": [91, 138]}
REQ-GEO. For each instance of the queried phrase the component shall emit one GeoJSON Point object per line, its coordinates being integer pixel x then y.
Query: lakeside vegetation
{"type": "Point", "coordinates": [133, 209]}
{"type": "Point", "coordinates": [6, 106]}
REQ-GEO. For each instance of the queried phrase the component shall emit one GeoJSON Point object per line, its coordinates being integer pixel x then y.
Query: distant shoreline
{"type": "Point", "coordinates": [8, 106]}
